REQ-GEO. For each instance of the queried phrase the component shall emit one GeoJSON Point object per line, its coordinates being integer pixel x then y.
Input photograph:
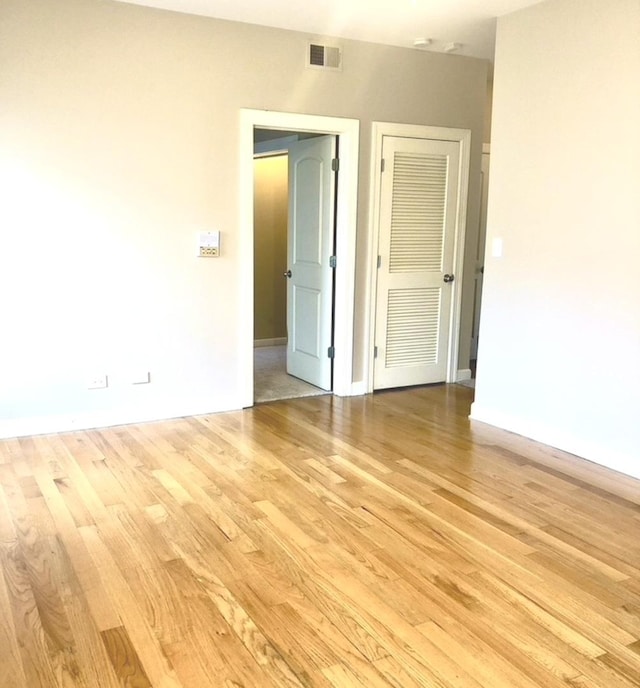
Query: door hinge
{"type": "Point", "coordinates": [331, 352]}
{"type": "Point", "coordinates": [335, 164]}
{"type": "Point", "coordinates": [375, 352]}
{"type": "Point", "coordinates": [332, 261]}
{"type": "Point", "coordinates": [379, 261]}
{"type": "Point", "coordinates": [382, 165]}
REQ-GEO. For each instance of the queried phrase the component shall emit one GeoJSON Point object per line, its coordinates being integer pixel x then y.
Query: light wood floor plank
{"type": "Point", "coordinates": [378, 541]}
{"type": "Point", "coordinates": [11, 667]}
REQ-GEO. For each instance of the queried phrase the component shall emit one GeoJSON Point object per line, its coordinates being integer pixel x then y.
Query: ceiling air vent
{"type": "Point", "coordinates": [324, 57]}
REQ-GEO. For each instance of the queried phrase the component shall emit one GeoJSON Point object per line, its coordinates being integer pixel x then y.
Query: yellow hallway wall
{"type": "Point", "coordinates": [270, 247]}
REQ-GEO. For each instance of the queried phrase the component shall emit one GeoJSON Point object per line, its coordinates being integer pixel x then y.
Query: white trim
{"type": "Point", "coordinates": [486, 148]}
{"type": "Point", "coordinates": [346, 216]}
{"type": "Point", "coordinates": [463, 374]}
{"type": "Point", "coordinates": [277, 153]}
{"type": "Point", "coordinates": [463, 137]}
{"type": "Point", "coordinates": [372, 255]}
{"type": "Point", "coordinates": [275, 341]}
{"type": "Point", "coordinates": [358, 389]}
{"type": "Point", "coordinates": [553, 437]}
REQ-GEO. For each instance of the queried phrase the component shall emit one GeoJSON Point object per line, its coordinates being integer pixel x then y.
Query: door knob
{"type": "Point", "coordinates": [287, 274]}
{"type": "Point", "coordinates": [448, 278]}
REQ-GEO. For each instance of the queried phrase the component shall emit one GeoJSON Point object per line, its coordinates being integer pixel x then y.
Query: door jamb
{"type": "Point", "coordinates": [348, 130]}
{"type": "Point", "coordinates": [463, 138]}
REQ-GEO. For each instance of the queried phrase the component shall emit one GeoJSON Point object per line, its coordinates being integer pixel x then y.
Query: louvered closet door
{"type": "Point", "coordinates": [419, 200]}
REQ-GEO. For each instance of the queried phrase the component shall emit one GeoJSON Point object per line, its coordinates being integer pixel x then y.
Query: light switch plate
{"type": "Point", "coordinates": [209, 244]}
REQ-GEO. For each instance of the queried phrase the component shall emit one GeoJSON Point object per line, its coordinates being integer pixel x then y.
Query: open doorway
{"type": "Point", "coordinates": [479, 268]}
{"type": "Point", "coordinates": [294, 239]}
{"type": "Point", "coordinates": [345, 212]}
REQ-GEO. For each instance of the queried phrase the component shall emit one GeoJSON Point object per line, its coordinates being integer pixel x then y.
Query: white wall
{"type": "Point", "coordinates": [119, 135]}
{"type": "Point", "coordinates": [559, 355]}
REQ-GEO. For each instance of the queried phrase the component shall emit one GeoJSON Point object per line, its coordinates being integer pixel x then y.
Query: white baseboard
{"type": "Point", "coordinates": [47, 425]}
{"type": "Point", "coordinates": [554, 437]}
{"type": "Point", "coordinates": [358, 389]}
{"type": "Point", "coordinates": [276, 341]}
{"type": "Point", "coordinates": [463, 374]}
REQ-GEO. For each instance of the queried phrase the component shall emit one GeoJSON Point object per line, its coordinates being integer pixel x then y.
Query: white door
{"type": "Point", "coordinates": [479, 267]}
{"type": "Point", "coordinates": [309, 249]}
{"type": "Point", "coordinates": [419, 199]}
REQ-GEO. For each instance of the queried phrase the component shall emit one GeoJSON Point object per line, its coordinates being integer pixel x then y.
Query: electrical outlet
{"type": "Point", "coordinates": [97, 382]}
{"type": "Point", "coordinates": [208, 252]}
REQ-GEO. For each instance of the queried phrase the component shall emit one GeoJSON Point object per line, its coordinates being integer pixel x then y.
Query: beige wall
{"type": "Point", "coordinates": [270, 247]}
{"type": "Point", "coordinates": [560, 331]}
{"type": "Point", "coordinates": [119, 137]}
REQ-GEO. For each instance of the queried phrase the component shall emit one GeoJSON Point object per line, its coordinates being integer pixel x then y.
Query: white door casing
{"type": "Point", "coordinates": [418, 233]}
{"type": "Point", "coordinates": [309, 249]}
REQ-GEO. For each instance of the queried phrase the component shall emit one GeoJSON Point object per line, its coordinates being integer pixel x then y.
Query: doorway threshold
{"type": "Point", "coordinates": [271, 381]}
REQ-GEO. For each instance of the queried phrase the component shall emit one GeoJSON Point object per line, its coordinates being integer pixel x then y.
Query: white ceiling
{"type": "Point", "coordinates": [393, 22]}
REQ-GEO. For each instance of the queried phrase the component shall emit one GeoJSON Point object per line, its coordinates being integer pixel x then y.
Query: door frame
{"type": "Point", "coordinates": [349, 132]}
{"type": "Point", "coordinates": [463, 138]}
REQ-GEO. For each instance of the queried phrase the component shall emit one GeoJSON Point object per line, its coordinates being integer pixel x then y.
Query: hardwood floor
{"type": "Point", "coordinates": [375, 541]}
